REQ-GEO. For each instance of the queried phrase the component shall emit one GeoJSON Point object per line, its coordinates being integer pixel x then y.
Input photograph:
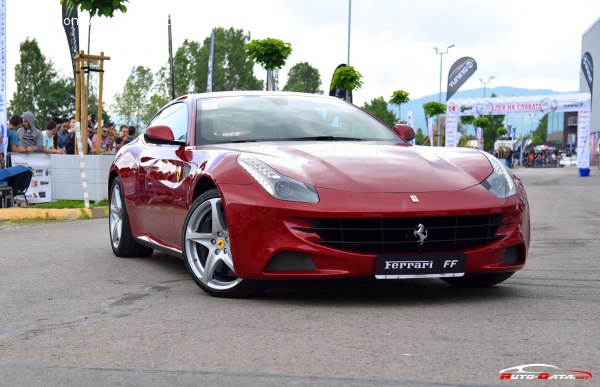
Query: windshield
{"type": "Point", "coordinates": [285, 117]}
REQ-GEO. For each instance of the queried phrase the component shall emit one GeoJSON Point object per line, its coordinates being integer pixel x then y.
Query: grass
{"type": "Point", "coordinates": [58, 204]}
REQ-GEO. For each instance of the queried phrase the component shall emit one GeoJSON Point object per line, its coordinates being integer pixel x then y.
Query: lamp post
{"type": "Point", "coordinates": [441, 54]}
{"type": "Point", "coordinates": [438, 51]}
{"type": "Point", "coordinates": [349, 21]}
{"type": "Point", "coordinates": [485, 83]}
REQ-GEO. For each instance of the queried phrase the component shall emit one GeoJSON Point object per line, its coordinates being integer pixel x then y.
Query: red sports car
{"type": "Point", "coordinates": [254, 186]}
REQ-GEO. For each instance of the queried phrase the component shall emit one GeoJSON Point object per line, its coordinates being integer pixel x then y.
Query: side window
{"type": "Point", "coordinates": [175, 117]}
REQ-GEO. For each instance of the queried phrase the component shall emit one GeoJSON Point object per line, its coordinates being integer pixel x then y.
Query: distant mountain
{"type": "Point", "coordinates": [522, 122]}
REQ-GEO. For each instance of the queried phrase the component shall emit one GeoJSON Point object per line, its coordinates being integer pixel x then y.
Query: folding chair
{"type": "Point", "coordinates": [20, 183]}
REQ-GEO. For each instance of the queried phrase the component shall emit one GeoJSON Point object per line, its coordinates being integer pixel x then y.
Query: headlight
{"type": "Point", "coordinates": [276, 184]}
{"type": "Point", "coordinates": [500, 183]}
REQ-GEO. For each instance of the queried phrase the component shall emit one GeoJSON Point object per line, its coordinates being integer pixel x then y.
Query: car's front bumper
{"type": "Point", "coordinates": [262, 227]}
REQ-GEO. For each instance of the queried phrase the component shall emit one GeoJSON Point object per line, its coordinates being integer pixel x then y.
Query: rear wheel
{"type": "Point", "coordinates": [478, 280]}
{"type": "Point", "coordinates": [207, 253]}
{"type": "Point", "coordinates": [121, 238]}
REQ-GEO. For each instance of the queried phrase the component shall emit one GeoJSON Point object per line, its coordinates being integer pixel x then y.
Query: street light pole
{"type": "Point", "coordinates": [349, 20]}
{"type": "Point", "coordinates": [441, 54]}
{"type": "Point", "coordinates": [485, 83]}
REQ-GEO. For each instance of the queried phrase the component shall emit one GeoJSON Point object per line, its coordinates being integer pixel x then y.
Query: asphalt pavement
{"type": "Point", "coordinates": [71, 313]}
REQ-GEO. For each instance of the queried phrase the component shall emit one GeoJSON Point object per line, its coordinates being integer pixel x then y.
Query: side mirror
{"type": "Point", "coordinates": [161, 134]}
{"type": "Point", "coordinates": [405, 132]}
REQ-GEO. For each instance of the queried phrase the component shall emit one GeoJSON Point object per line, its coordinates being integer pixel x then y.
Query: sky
{"type": "Point", "coordinates": [521, 43]}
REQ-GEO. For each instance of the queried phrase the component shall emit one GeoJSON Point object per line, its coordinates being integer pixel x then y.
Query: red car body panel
{"type": "Point", "coordinates": [353, 180]}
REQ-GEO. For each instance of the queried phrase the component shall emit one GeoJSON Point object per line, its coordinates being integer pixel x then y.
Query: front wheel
{"type": "Point", "coordinates": [207, 252]}
{"type": "Point", "coordinates": [478, 280]}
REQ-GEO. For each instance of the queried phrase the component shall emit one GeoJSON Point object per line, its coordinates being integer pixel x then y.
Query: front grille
{"type": "Point", "coordinates": [396, 235]}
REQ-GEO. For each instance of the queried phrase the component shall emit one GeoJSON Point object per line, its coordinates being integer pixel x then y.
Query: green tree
{"type": "Point", "coordinates": [433, 108]}
{"type": "Point", "coordinates": [232, 68]}
{"type": "Point", "coordinates": [419, 137]}
{"type": "Point", "coordinates": [93, 105]}
{"type": "Point", "coordinates": [541, 132]}
{"type": "Point", "coordinates": [379, 108]}
{"type": "Point", "coordinates": [490, 134]}
{"type": "Point", "coordinates": [271, 54]}
{"type": "Point", "coordinates": [133, 103]}
{"type": "Point", "coordinates": [160, 90]}
{"type": "Point", "coordinates": [501, 131]}
{"type": "Point", "coordinates": [467, 120]}
{"type": "Point", "coordinates": [39, 88]}
{"type": "Point", "coordinates": [346, 78]}
{"type": "Point", "coordinates": [399, 97]}
{"type": "Point", "coordinates": [186, 66]}
{"type": "Point", "coordinates": [303, 78]}
{"type": "Point", "coordinates": [97, 7]}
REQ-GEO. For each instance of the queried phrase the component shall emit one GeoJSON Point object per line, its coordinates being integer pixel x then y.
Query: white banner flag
{"type": "Point", "coordinates": [3, 111]}
{"type": "Point", "coordinates": [479, 138]}
{"type": "Point", "coordinates": [583, 139]}
{"type": "Point", "coordinates": [451, 130]}
{"type": "Point", "coordinates": [430, 130]}
{"type": "Point", "coordinates": [211, 56]}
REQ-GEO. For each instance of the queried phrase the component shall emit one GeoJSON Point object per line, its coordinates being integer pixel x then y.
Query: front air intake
{"type": "Point", "coordinates": [290, 261]}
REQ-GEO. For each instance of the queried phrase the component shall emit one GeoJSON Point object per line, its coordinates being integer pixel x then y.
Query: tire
{"type": "Point", "coordinates": [121, 238]}
{"type": "Point", "coordinates": [206, 251]}
{"type": "Point", "coordinates": [478, 280]}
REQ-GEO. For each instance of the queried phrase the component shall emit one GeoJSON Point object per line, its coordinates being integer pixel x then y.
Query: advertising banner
{"type": "Point", "coordinates": [430, 130]}
{"type": "Point", "coordinates": [40, 189]}
{"type": "Point", "coordinates": [3, 102]}
{"type": "Point", "coordinates": [71, 25]}
{"type": "Point", "coordinates": [460, 71]}
{"type": "Point", "coordinates": [587, 66]}
{"type": "Point", "coordinates": [479, 138]}
{"type": "Point", "coordinates": [583, 138]}
{"type": "Point", "coordinates": [452, 137]}
{"type": "Point", "coordinates": [211, 56]}
{"type": "Point", "coordinates": [409, 119]}
{"type": "Point", "coordinates": [523, 104]}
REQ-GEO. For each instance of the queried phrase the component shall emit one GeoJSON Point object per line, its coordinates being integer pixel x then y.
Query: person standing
{"type": "Point", "coordinates": [30, 137]}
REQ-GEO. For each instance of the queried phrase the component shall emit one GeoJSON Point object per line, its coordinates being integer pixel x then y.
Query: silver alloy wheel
{"type": "Point", "coordinates": [207, 246]}
{"type": "Point", "coordinates": [115, 219]}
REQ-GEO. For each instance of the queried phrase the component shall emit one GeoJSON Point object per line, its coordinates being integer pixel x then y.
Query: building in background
{"type": "Point", "coordinates": [590, 42]}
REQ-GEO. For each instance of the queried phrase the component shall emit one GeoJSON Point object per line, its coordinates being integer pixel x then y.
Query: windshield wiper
{"type": "Point", "coordinates": [324, 138]}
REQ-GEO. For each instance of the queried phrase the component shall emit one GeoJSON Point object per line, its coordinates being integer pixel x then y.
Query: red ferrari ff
{"type": "Point", "coordinates": [253, 186]}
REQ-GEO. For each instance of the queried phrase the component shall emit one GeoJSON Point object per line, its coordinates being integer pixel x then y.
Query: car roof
{"type": "Point", "coordinates": [243, 93]}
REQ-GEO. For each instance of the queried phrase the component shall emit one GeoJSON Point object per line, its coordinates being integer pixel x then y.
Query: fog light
{"type": "Point", "coordinates": [510, 256]}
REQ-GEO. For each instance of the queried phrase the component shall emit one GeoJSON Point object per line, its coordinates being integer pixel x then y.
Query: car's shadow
{"type": "Point", "coordinates": [358, 291]}
{"type": "Point", "coordinates": [370, 291]}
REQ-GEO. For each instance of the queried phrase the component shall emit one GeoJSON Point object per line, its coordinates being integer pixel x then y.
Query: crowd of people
{"type": "Point", "coordinates": [547, 158]}
{"type": "Point", "coordinates": [58, 136]}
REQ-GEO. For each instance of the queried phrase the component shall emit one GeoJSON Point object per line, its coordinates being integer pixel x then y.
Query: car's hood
{"type": "Point", "coordinates": [371, 166]}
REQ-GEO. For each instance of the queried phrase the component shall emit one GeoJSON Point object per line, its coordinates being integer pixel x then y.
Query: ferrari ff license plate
{"type": "Point", "coordinates": [396, 266]}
